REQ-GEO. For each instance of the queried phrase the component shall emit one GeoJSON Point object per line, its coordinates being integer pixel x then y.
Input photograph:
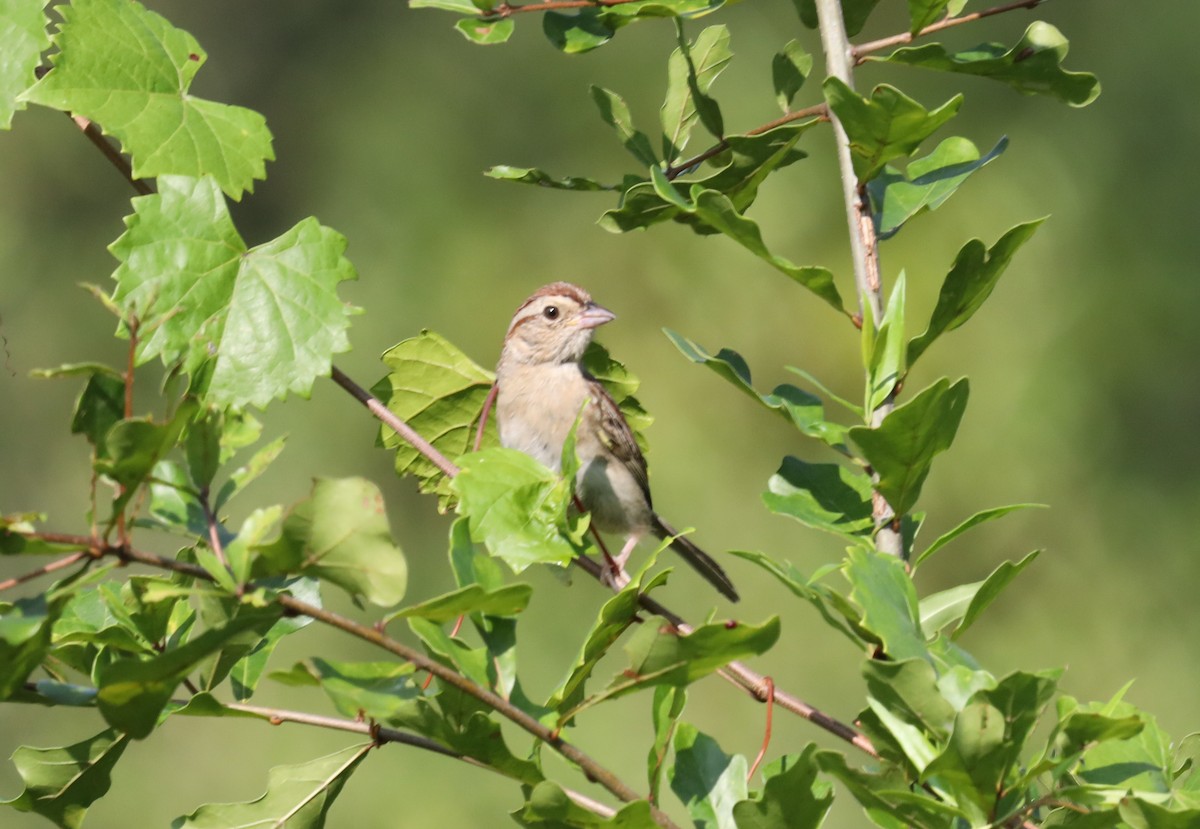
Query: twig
{"type": "Point", "coordinates": [864, 245]}
{"type": "Point", "coordinates": [762, 752]}
{"type": "Point", "coordinates": [119, 161]}
{"type": "Point", "coordinates": [590, 767]}
{"type": "Point", "coordinates": [503, 10]}
{"type": "Point", "coordinates": [820, 111]}
{"type": "Point", "coordinates": [45, 569]}
{"type": "Point", "coordinates": [909, 37]}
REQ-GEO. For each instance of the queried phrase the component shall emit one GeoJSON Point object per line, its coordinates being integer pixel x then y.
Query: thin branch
{"type": "Point", "coordinates": [119, 161]}
{"type": "Point", "coordinates": [949, 22]}
{"type": "Point", "coordinates": [45, 569]}
{"type": "Point", "coordinates": [594, 771]}
{"type": "Point", "coordinates": [820, 111]}
{"type": "Point", "coordinates": [508, 10]}
{"type": "Point", "coordinates": [864, 244]}
{"type": "Point", "coordinates": [762, 752]}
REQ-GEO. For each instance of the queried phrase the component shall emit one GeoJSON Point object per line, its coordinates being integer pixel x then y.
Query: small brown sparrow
{"type": "Point", "coordinates": [542, 388]}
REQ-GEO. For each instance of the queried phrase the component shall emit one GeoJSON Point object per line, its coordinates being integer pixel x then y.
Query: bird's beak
{"type": "Point", "coordinates": [595, 315]}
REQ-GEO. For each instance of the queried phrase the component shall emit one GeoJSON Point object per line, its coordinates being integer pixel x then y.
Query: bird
{"type": "Point", "coordinates": [542, 388]}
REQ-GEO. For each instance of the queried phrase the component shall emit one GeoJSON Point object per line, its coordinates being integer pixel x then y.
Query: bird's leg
{"type": "Point", "coordinates": [614, 572]}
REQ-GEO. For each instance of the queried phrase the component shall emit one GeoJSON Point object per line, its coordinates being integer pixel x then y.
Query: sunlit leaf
{"type": "Point", "coordinates": [791, 797]}
{"type": "Point", "coordinates": [708, 781]}
{"type": "Point", "coordinates": [61, 783]}
{"type": "Point", "coordinates": [884, 591]}
{"type": "Point", "coordinates": [691, 70]}
{"type": "Point", "coordinates": [789, 70]}
{"type": "Point", "coordinates": [827, 496]}
{"type": "Point", "coordinates": [508, 600]}
{"type": "Point", "coordinates": [485, 31]}
{"type": "Point", "coordinates": [23, 38]}
{"type": "Point", "coordinates": [164, 128]}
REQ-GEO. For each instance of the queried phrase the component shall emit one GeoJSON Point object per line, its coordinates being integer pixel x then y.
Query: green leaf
{"type": "Point", "coordinates": [923, 12]}
{"type": "Point", "coordinates": [485, 31]}
{"type": "Point", "coordinates": [909, 688]}
{"type": "Point", "coordinates": [707, 780]}
{"type": "Point", "coordinates": [133, 693]}
{"type": "Point", "coordinates": [884, 591]}
{"type": "Point", "coordinates": [691, 71]}
{"type": "Point", "coordinates": [976, 270]}
{"type": "Point", "coordinates": [132, 447]}
{"type": "Point", "coordinates": [792, 797]}
{"type": "Point", "coordinates": [887, 797]}
{"type": "Point", "coordinates": [23, 38]}
{"type": "Point", "coordinates": [1144, 814]}
{"type": "Point", "coordinates": [577, 33]}
{"type": "Point", "coordinates": [974, 521]}
{"type": "Point", "coordinates": [532, 175]}
{"type": "Point", "coordinates": [789, 70]}
{"type": "Point", "coordinates": [248, 670]}
{"type": "Point", "coordinates": [902, 448]}
{"type": "Point", "coordinates": [1033, 66]}
{"type": "Point", "coordinates": [299, 796]}
{"type": "Point", "coordinates": [615, 617]}
{"type": "Point", "coordinates": [437, 390]}
{"type": "Point", "coordinates": [886, 367]}
{"type": "Point", "coordinates": [926, 183]}
{"type": "Point", "coordinates": [989, 589]}
{"type": "Point", "coordinates": [25, 629]}
{"type": "Point", "coordinates": [379, 690]}
{"type": "Point", "coordinates": [621, 384]}
{"type": "Point", "coordinates": [267, 318]}
{"type": "Point", "coordinates": [615, 112]}
{"type": "Point", "coordinates": [241, 477]}
{"type": "Point", "coordinates": [659, 657]}
{"type": "Point", "coordinates": [508, 600]}
{"type": "Point", "coordinates": [340, 534]}
{"type": "Point", "coordinates": [164, 128]}
{"type": "Point", "coordinates": [829, 497]}
{"type": "Point", "coordinates": [854, 13]}
{"type": "Point", "coordinates": [61, 783]}
{"type": "Point", "coordinates": [668, 705]}
{"type": "Point", "coordinates": [549, 807]}
{"type": "Point", "coordinates": [463, 6]}
{"type": "Point", "coordinates": [100, 405]}
{"type": "Point", "coordinates": [717, 211]}
{"type": "Point", "coordinates": [887, 125]}
{"type": "Point", "coordinates": [517, 507]}
{"type": "Point", "coordinates": [797, 406]}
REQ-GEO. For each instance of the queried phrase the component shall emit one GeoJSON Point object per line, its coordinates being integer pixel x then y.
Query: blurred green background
{"type": "Point", "coordinates": [1084, 387]}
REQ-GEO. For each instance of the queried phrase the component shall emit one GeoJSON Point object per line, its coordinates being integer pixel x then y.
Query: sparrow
{"type": "Point", "coordinates": [542, 388]}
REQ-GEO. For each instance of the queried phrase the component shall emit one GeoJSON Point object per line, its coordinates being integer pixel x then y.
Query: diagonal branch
{"type": "Point", "coordinates": [932, 28]}
{"type": "Point", "coordinates": [503, 10]}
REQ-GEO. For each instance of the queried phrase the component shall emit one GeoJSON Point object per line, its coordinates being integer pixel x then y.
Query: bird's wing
{"type": "Point", "coordinates": [617, 437]}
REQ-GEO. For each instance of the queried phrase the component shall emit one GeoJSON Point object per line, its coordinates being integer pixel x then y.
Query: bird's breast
{"type": "Point", "coordinates": [536, 407]}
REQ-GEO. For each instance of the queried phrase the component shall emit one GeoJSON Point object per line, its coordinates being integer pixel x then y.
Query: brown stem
{"type": "Point", "coordinates": [114, 156]}
{"type": "Point", "coordinates": [820, 111]}
{"type": "Point", "coordinates": [45, 569]}
{"type": "Point", "coordinates": [762, 752]}
{"type": "Point", "coordinates": [909, 37]}
{"type": "Point", "coordinates": [503, 10]}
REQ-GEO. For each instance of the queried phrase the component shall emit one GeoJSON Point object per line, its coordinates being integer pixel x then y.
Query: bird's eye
{"type": "Point", "coordinates": [551, 312]}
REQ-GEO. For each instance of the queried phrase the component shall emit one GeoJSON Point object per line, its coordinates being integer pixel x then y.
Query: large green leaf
{"type": "Point", "coordinates": [791, 798]}
{"type": "Point", "coordinates": [974, 274]}
{"type": "Point", "coordinates": [926, 182]}
{"type": "Point", "coordinates": [267, 319]}
{"type": "Point", "coordinates": [297, 796]}
{"type": "Point", "coordinates": [340, 534]}
{"type": "Point", "coordinates": [517, 507]}
{"type": "Point", "coordinates": [887, 125]}
{"type": "Point", "coordinates": [379, 690]}
{"type": "Point", "coordinates": [133, 692]}
{"type": "Point", "coordinates": [884, 591]}
{"type": "Point", "coordinates": [708, 781]}
{"type": "Point", "coordinates": [164, 128]}
{"type": "Point", "coordinates": [1033, 65]}
{"type": "Point", "coordinates": [691, 70]}
{"type": "Point", "coordinates": [614, 619]}
{"type": "Point", "coordinates": [508, 600]}
{"type": "Point", "coordinates": [827, 496]}
{"type": "Point", "coordinates": [23, 38]}
{"type": "Point", "coordinates": [902, 448]}
{"type": "Point", "coordinates": [61, 783]}
{"type": "Point", "coordinates": [615, 112]}
{"type": "Point", "coordinates": [797, 406]}
{"type": "Point", "coordinates": [439, 391]}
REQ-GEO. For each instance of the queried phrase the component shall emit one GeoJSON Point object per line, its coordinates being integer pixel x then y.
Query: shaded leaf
{"type": "Point", "coordinates": [61, 783]}
{"type": "Point", "coordinates": [1032, 66]}
{"type": "Point", "coordinates": [299, 796]}
{"type": "Point", "coordinates": [25, 629]}
{"type": "Point", "coordinates": [789, 70]}
{"type": "Point", "coordinates": [887, 125]}
{"type": "Point", "coordinates": [791, 798]}
{"type": "Point", "coordinates": [974, 274]}
{"type": "Point", "coordinates": [854, 13]}
{"type": "Point", "coordinates": [267, 319]}
{"type": "Point", "coordinates": [923, 12]}
{"type": "Point", "coordinates": [691, 71]}
{"type": "Point", "coordinates": [799, 407]}
{"type": "Point", "coordinates": [615, 112]}
{"type": "Point", "coordinates": [437, 390]}
{"type": "Point", "coordinates": [508, 600]}
{"type": "Point", "coordinates": [902, 448]}
{"type": "Point", "coordinates": [827, 496]}
{"type": "Point", "coordinates": [668, 705]}
{"type": "Point", "coordinates": [485, 31]}
{"type": "Point", "coordinates": [579, 32]}
{"type": "Point", "coordinates": [100, 406]}
{"type": "Point", "coordinates": [248, 670]}
{"type": "Point", "coordinates": [549, 807]}
{"type": "Point", "coordinates": [926, 183]}
{"type": "Point", "coordinates": [133, 693]}
{"type": "Point", "coordinates": [707, 780]}
{"type": "Point", "coordinates": [340, 534]}
{"type": "Point", "coordinates": [164, 128]}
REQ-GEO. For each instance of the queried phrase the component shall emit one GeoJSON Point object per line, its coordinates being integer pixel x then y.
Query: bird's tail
{"type": "Point", "coordinates": [696, 557]}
